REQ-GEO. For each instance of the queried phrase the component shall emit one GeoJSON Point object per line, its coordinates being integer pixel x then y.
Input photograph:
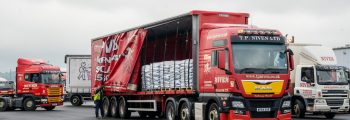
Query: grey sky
{"type": "Point", "coordinates": [49, 29]}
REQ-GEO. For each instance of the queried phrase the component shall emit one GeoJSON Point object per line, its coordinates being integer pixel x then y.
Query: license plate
{"type": "Point", "coordinates": [54, 104]}
{"type": "Point", "coordinates": [334, 110]}
{"type": "Point", "coordinates": [263, 109]}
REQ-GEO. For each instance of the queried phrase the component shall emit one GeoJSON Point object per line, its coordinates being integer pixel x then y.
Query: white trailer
{"type": "Point", "coordinates": [319, 85]}
{"type": "Point", "coordinates": [78, 82]}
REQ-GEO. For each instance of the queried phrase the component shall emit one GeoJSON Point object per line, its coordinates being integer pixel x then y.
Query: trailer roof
{"type": "Point", "coordinates": [66, 56]}
{"type": "Point", "coordinates": [171, 19]}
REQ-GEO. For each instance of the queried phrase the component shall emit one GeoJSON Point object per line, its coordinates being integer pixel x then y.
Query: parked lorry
{"type": "Point", "coordinates": [200, 65]}
{"type": "Point", "coordinates": [78, 82]}
{"type": "Point", "coordinates": [319, 85]}
{"type": "Point", "coordinates": [37, 85]}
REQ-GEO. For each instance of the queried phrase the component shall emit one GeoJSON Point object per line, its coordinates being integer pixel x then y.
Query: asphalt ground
{"type": "Point", "coordinates": [86, 112]}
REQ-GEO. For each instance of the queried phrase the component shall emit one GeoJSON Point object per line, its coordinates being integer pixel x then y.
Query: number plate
{"type": "Point", "coordinates": [54, 104]}
{"type": "Point", "coordinates": [263, 109]}
{"type": "Point", "coordinates": [334, 110]}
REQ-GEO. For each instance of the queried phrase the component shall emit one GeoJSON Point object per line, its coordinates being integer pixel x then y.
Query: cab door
{"type": "Point", "coordinates": [305, 79]}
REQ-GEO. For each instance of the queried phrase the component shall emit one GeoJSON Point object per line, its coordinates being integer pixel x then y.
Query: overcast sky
{"type": "Point", "coordinates": [49, 29]}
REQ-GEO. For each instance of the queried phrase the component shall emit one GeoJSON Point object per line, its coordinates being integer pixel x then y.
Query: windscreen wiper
{"type": "Point", "coordinates": [270, 69]}
{"type": "Point", "coordinates": [248, 70]}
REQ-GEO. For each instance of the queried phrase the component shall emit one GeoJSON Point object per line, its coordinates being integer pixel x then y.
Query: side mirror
{"type": "Point", "coordinates": [223, 61]}
{"type": "Point", "coordinates": [290, 59]}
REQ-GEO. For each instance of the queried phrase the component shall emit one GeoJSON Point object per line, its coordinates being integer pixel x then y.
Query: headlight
{"type": "Point", "coordinates": [237, 104]}
{"type": "Point", "coordinates": [346, 101]}
{"type": "Point", "coordinates": [320, 101]}
{"type": "Point", "coordinates": [286, 104]}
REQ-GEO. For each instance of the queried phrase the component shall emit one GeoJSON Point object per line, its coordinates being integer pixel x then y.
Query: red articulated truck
{"type": "Point", "coordinates": [200, 65]}
{"type": "Point", "coordinates": [37, 84]}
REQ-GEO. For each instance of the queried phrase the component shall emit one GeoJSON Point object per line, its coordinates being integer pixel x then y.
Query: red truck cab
{"type": "Point", "coordinates": [38, 84]}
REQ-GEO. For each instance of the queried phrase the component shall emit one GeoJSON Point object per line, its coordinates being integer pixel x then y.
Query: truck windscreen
{"type": "Point", "coordinates": [5, 85]}
{"type": "Point", "coordinates": [259, 58]}
{"type": "Point", "coordinates": [331, 77]}
{"type": "Point", "coordinates": [50, 78]}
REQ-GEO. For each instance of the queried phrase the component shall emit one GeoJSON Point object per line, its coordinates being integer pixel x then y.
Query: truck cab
{"type": "Point", "coordinates": [38, 84]}
{"type": "Point", "coordinates": [320, 87]}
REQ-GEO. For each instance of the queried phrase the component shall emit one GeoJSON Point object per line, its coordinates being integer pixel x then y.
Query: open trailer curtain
{"type": "Point", "coordinates": [114, 59]}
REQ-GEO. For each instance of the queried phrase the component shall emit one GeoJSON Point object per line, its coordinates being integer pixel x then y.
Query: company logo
{"type": "Point", "coordinates": [327, 58]}
{"type": "Point", "coordinates": [221, 79]}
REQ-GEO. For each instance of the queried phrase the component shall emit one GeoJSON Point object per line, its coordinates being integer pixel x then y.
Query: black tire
{"type": "Point", "coordinates": [170, 111]}
{"type": "Point", "coordinates": [123, 109]}
{"type": "Point", "coordinates": [49, 108]}
{"type": "Point", "coordinates": [3, 105]}
{"type": "Point", "coordinates": [329, 115]}
{"type": "Point", "coordinates": [114, 108]}
{"type": "Point", "coordinates": [29, 104]}
{"type": "Point", "coordinates": [76, 100]}
{"type": "Point", "coordinates": [185, 112]}
{"type": "Point", "coordinates": [299, 109]}
{"type": "Point", "coordinates": [106, 107]}
{"type": "Point", "coordinates": [213, 112]}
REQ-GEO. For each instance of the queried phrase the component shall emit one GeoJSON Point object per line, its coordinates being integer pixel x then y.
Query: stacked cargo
{"type": "Point", "coordinates": [168, 75]}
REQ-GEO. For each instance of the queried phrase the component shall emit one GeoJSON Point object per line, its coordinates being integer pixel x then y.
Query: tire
{"type": "Point", "coordinates": [3, 105]}
{"type": "Point", "coordinates": [329, 115]}
{"type": "Point", "coordinates": [114, 107]}
{"type": "Point", "coordinates": [184, 112]}
{"type": "Point", "coordinates": [299, 109]}
{"type": "Point", "coordinates": [170, 111]}
{"type": "Point", "coordinates": [213, 112]}
{"type": "Point", "coordinates": [106, 107]}
{"type": "Point", "coordinates": [49, 108]}
{"type": "Point", "coordinates": [123, 109]}
{"type": "Point", "coordinates": [29, 104]}
{"type": "Point", "coordinates": [76, 100]}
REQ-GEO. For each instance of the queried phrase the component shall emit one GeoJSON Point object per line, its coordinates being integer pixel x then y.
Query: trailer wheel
{"type": "Point", "coordinates": [213, 112]}
{"type": "Point", "coordinates": [106, 107]}
{"type": "Point", "coordinates": [114, 107]}
{"type": "Point", "coordinates": [170, 111]}
{"type": "Point", "coordinates": [76, 101]}
{"type": "Point", "coordinates": [299, 109]}
{"type": "Point", "coordinates": [29, 104]}
{"type": "Point", "coordinates": [49, 108]}
{"type": "Point", "coordinates": [185, 112]}
{"type": "Point", "coordinates": [329, 115]}
{"type": "Point", "coordinates": [123, 111]}
{"type": "Point", "coordinates": [3, 105]}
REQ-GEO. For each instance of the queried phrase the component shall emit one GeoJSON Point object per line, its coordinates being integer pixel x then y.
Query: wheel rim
{"type": "Point", "coordinates": [296, 109]}
{"type": "Point", "coordinates": [105, 106]}
{"type": "Point", "coordinates": [75, 100]}
{"type": "Point", "coordinates": [29, 104]}
{"type": "Point", "coordinates": [184, 113]}
{"type": "Point", "coordinates": [213, 114]}
{"type": "Point", "coordinates": [2, 103]}
{"type": "Point", "coordinates": [113, 111]}
{"type": "Point", "coordinates": [170, 113]}
{"type": "Point", "coordinates": [121, 108]}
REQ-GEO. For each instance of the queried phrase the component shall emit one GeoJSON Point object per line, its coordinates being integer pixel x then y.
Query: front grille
{"type": "Point", "coordinates": [335, 102]}
{"type": "Point", "coordinates": [54, 99]}
{"type": "Point", "coordinates": [53, 91]}
{"type": "Point", "coordinates": [335, 92]}
{"type": "Point", "coordinates": [254, 104]}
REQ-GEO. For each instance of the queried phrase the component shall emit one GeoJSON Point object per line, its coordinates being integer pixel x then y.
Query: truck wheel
{"type": "Point", "coordinates": [3, 105]}
{"type": "Point", "coordinates": [106, 107]}
{"type": "Point", "coordinates": [213, 112]}
{"type": "Point", "coordinates": [76, 101]}
{"type": "Point", "coordinates": [329, 115]}
{"type": "Point", "coordinates": [170, 111]}
{"type": "Point", "coordinates": [114, 107]}
{"type": "Point", "coordinates": [29, 104]}
{"type": "Point", "coordinates": [49, 108]}
{"type": "Point", "coordinates": [185, 112]}
{"type": "Point", "coordinates": [299, 109]}
{"type": "Point", "coordinates": [123, 111]}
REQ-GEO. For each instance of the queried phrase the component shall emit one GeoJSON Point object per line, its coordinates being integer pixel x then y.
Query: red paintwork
{"type": "Point", "coordinates": [34, 66]}
{"type": "Point", "coordinates": [232, 116]}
